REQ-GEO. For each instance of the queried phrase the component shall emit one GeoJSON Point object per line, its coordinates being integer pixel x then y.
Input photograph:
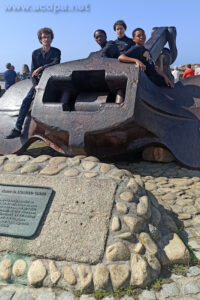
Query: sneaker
{"type": "Point", "coordinates": [14, 133]}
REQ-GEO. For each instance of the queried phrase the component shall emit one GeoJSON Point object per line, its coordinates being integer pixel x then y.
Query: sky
{"type": "Point", "coordinates": [74, 22]}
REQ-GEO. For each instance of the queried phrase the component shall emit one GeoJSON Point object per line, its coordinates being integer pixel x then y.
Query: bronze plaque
{"type": "Point", "coordinates": [21, 209]}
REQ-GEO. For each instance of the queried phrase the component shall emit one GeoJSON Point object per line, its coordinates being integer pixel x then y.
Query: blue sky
{"type": "Point", "coordinates": [74, 30]}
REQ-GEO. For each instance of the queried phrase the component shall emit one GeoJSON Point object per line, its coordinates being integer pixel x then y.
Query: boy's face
{"type": "Point", "coordinates": [100, 38]}
{"type": "Point", "coordinates": [46, 39]}
{"type": "Point", "coordinates": [120, 31]}
{"type": "Point", "coordinates": [139, 37]}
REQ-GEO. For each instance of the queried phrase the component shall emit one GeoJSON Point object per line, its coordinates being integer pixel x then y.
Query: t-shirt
{"type": "Point", "coordinates": [110, 50]}
{"type": "Point", "coordinates": [141, 53]}
{"type": "Point", "coordinates": [197, 71]}
{"type": "Point", "coordinates": [188, 72]}
{"type": "Point", "coordinates": [176, 74]}
{"type": "Point", "coordinates": [124, 43]}
{"type": "Point", "coordinates": [9, 78]}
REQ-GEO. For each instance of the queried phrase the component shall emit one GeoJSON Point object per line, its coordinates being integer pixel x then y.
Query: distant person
{"type": "Point", "coordinates": [123, 42]}
{"type": "Point", "coordinates": [10, 76]}
{"type": "Point", "coordinates": [108, 48]}
{"type": "Point", "coordinates": [42, 58]}
{"type": "Point", "coordinates": [25, 73]}
{"type": "Point", "coordinates": [188, 72]}
{"type": "Point", "coordinates": [140, 55]}
{"type": "Point", "coordinates": [176, 74]}
{"type": "Point", "coordinates": [196, 70]}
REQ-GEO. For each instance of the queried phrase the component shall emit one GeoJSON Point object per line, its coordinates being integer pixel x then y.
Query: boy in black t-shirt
{"type": "Point", "coordinates": [140, 55]}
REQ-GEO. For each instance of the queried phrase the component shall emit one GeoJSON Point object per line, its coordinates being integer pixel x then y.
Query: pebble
{"type": "Point", "coordinates": [72, 172]}
{"type": "Point", "coordinates": [69, 275]}
{"type": "Point", "coordinates": [88, 165]}
{"type": "Point", "coordinates": [52, 169]}
{"type": "Point", "coordinates": [19, 267]}
{"type": "Point", "coordinates": [5, 269]}
{"type": "Point", "coordinates": [116, 224]}
{"type": "Point", "coordinates": [101, 277]}
{"type": "Point", "coordinates": [117, 251]}
{"type": "Point", "coordinates": [91, 174]}
{"type": "Point", "coordinates": [143, 208]}
{"type": "Point", "coordinates": [74, 161]}
{"type": "Point", "coordinates": [121, 208]}
{"type": "Point", "coordinates": [105, 168]}
{"type": "Point", "coordinates": [148, 243]}
{"type": "Point", "coordinates": [85, 275]}
{"type": "Point", "coordinates": [135, 224]}
{"type": "Point", "coordinates": [12, 166]}
{"type": "Point", "coordinates": [119, 275]}
{"type": "Point", "coordinates": [36, 273]}
{"type": "Point", "coordinates": [54, 273]}
{"type": "Point", "coordinates": [40, 159]}
{"type": "Point", "coordinates": [31, 168]}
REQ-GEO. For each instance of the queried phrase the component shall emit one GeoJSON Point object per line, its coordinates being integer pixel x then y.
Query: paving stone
{"type": "Point", "coordinates": [193, 271]}
{"type": "Point", "coordinates": [6, 295]}
{"type": "Point", "coordinates": [191, 288]}
{"type": "Point", "coordinates": [87, 297]}
{"type": "Point", "coordinates": [25, 296]}
{"type": "Point", "coordinates": [46, 296]}
{"type": "Point", "coordinates": [66, 296]}
{"type": "Point", "coordinates": [170, 290]}
{"type": "Point", "coordinates": [147, 295]}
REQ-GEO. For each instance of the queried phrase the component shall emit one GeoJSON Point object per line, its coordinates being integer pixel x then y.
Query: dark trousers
{"type": "Point", "coordinates": [26, 103]}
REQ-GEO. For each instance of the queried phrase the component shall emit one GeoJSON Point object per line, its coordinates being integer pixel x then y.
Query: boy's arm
{"type": "Point", "coordinates": [124, 58]}
{"type": "Point", "coordinates": [55, 60]}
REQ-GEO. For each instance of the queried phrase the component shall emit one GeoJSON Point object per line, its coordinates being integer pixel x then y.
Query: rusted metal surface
{"type": "Point", "coordinates": [92, 123]}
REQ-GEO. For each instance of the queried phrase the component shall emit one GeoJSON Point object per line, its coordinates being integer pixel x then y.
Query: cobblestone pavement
{"type": "Point", "coordinates": [178, 190]}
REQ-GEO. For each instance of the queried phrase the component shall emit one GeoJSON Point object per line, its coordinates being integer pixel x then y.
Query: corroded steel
{"type": "Point", "coordinates": [74, 110]}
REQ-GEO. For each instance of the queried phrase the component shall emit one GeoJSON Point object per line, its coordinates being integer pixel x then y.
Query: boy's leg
{"type": "Point", "coordinates": [26, 103]}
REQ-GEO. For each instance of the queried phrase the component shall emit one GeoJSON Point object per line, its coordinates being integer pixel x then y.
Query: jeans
{"type": "Point", "coordinates": [26, 103]}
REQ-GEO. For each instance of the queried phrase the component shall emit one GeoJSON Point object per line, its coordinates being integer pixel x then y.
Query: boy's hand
{"type": "Point", "coordinates": [168, 82]}
{"type": "Point", "coordinates": [37, 71]}
{"type": "Point", "coordinates": [140, 65]}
